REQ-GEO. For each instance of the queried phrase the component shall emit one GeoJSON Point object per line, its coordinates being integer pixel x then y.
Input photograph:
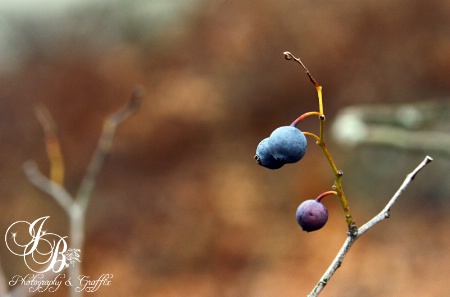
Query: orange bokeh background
{"type": "Point", "coordinates": [181, 208]}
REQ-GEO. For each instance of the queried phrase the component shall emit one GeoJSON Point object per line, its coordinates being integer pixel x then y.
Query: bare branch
{"type": "Point", "coordinates": [51, 143]}
{"type": "Point", "coordinates": [3, 286]}
{"type": "Point", "coordinates": [413, 126]}
{"type": "Point", "coordinates": [48, 186]}
{"type": "Point", "coordinates": [104, 145]}
{"type": "Point", "coordinates": [385, 212]}
{"type": "Point", "coordinates": [375, 220]}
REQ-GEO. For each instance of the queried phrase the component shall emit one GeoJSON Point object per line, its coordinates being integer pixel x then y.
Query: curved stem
{"type": "Point", "coordinates": [312, 135]}
{"type": "Point", "coordinates": [289, 56]}
{"type": "Point", "coordinates": [303, 116]}
{"type": "Point", "coordinates": [325, 194]}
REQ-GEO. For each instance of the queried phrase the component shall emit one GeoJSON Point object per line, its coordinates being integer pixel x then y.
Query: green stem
{"type": "Point", "coordinates": [312, 135]}
{"type": "Point", "coordinates": [337, 177]}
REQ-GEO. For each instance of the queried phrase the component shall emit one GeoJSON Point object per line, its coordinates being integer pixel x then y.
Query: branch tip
{"type": "Point", "coordinates": [425, 162]}
{"type": "Point", "coordinates": [45, 119]}
{"type": "Point", "coordinates": [135, 101]}
{"type": "Point", "coordinates": [29, 167]}
{"type": "Point", "coordinates": [136, 97]}
{"type": "Point", "coordinates": [288, 56]}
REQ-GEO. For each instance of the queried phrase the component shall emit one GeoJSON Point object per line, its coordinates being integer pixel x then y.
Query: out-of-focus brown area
{"type": "Point", "coordinates": [181, 208]}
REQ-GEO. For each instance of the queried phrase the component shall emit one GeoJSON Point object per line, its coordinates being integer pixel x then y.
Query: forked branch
{"type": "Point", "coordinates": [75, 207]}
{"type": "Point", "coordinates": [385, 213]}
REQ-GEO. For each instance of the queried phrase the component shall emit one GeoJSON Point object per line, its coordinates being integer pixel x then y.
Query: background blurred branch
{"type": "Point", "coordinates": [76, 207]}
{"type": "Point", "coordinates": [58, 192]}
{"type": "Point", "coordinates": [104, 145]}
{"type": "Point", "coordinates": [3, 282]}
{"type": "Point", "coordinates": [419, 126]}
{"type": "Point", "coordinates": [52, 144]}
{"type": "Point", "coordinates": [375, 220]}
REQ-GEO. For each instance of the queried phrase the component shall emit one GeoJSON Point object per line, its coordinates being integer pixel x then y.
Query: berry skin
{"type": "Point", "coordinates": [311, 215]}
{"type": "Point", "coordinates": [264, 158]}
{"type": "Point", "coordinates": [287, 144]}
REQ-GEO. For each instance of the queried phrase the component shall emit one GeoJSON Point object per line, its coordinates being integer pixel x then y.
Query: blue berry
{"type": "Point", "coordinates": [287, 144]}
{"type": "Point", "coordinates": [264, 158]}
{"type": "Point", "coordinates": [312, 215]}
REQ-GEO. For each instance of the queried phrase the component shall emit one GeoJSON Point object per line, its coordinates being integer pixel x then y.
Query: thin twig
{"type": "Point", "coordinates": [370, 224]}
{"type": "Point", "coordinates": [104, 145]}
{"type": "Point", "coordinates": [77, 216]}
{"type": "Point", "coordinates": [52, 144]}
{"type": "Point", "coordinates": [3, 287]}
{"type": "Point", "coordinates": [385, 212]}
{"type": "Point", "coordinates": [48, 186]}
{"type": "Point", "coordinates": [289, 56]}
{"type": "Point", "coordinates": [409, 126]}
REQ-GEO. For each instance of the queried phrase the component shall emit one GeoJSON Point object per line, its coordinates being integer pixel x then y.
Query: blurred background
{"type": "Point", "coordinates": [180, 207]}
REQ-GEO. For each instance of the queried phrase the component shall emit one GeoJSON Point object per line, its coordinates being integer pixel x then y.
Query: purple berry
{"type": "Point", "coordinates": [287, 144]}
{"type": "Point", "coordinates": [264, 158]}
{"type": "Point", "coordinates": [312, 215]}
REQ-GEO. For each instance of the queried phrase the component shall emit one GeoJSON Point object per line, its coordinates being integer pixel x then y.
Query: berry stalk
{"type": "Point", "coordinates": [320, 141]}
{"type": "Point", "coordinates": [303, 116]}
{"type": "Point", "coordinates": [312, 135]}
{"type": "Point", "coordinates": [325, 194]}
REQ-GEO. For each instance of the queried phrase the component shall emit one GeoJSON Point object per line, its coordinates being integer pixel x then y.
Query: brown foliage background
{"type": "Point", "coordinates": [181, 208]}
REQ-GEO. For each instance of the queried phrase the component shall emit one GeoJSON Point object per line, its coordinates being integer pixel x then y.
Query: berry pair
{"type": "Point", "coordinates": [286, 144]}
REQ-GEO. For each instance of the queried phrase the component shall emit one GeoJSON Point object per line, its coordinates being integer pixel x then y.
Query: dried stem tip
{"type": "Point", "coordinates": [287, 55]}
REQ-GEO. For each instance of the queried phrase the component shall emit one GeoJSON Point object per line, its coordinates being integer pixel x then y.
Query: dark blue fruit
{"type": "Point", "coordinates": [264, 158]}
{"type": "Point", "coordinates": [312, 215]}
{"type": "Point", "coordinates": [287, 144]}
